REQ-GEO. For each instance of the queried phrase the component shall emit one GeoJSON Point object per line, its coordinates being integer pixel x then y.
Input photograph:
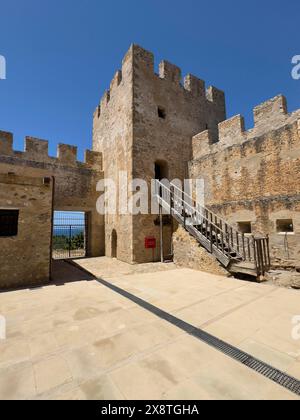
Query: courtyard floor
{"type": "Point", "coordinates": [78, 339]}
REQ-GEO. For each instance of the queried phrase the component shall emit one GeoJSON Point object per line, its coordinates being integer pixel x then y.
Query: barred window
{"type": "Point", "coordinates": [9, 223]}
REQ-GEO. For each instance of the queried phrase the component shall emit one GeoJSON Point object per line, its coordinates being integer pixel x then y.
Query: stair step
{"type": "Point", "coordinates": [212, 232]}
{"type": "Point", "coordinates": [216, 240]}
{"type": "Point", "coordinates": [244, 267]}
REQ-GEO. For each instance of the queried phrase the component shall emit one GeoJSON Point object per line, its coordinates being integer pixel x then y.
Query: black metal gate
{"type": "Point", "coordinates": [69, 235]}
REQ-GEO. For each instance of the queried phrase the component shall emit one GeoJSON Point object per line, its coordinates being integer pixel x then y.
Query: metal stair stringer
{"type": "Point", "coordinates": [229, 246]}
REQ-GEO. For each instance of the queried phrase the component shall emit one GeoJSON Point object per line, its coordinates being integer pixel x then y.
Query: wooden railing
{"type": "Point", "coordinates": [262, 255]}
{"type": "Point", "coordinates": [222, 237]}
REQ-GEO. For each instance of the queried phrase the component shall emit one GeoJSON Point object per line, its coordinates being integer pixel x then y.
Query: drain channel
{"type": "Point", "coordinates": [275, 375]}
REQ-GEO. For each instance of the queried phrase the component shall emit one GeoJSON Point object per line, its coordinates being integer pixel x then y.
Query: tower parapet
{"type": "Point", "coordinates": [169, 71]}
{"type": "Point", "coordinates": [268, 116]}
{"type": "Point", "coordinates": [6, 143]}
{"type": "Point", "coordinates": [194, 85]}
{"type": "Point", "coordinates": [142, 60]}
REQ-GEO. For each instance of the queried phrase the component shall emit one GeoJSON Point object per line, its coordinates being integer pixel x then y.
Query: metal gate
{"type": "Point", "coordinates": [69, 235]}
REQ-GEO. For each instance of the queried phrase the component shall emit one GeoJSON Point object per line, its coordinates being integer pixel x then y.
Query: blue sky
{"type": "Point", "coordinates": [65, 218]}
{"type": "Point", "coordinates": [61, 56]}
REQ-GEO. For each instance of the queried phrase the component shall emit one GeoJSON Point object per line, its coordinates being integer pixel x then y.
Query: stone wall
{"type": "Point", "coordinates": [188, 253]}
{"type": "Point", "coordinates": [25, 258]}
{"type": "Point", "coordinates": [75, 182]}
{"type": "Point", "coordinates": [113, 137]}
{"type": "Point", "coordinates": [254, 176]}
{"type": "Point", "coordinates": [188, 108]}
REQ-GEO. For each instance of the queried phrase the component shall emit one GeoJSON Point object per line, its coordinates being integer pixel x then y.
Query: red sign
{"type": "Point", "coordinates": [150, 243]}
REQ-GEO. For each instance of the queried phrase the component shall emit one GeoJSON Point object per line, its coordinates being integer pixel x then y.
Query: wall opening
{"type": "Point", "coordinates": [9, 220]}
{"type": "Point", "coordinates": [166, 227]}
{"type": "Point", "coordinates": [285, 226]}
{"type": "Point", "coordinates": [161, 113]}
{"type": "Point", "coordinates": [245, 227]}
{"type": "Point", "coordinates": [70, 236]}
{"type": "Point", "coordinates": [114, 244]}
{"type": "Point", "coordinates": [161, 170]}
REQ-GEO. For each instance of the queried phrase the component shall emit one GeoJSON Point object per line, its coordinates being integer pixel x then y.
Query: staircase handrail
{"type": "Point", "coordinates": [230, 235]}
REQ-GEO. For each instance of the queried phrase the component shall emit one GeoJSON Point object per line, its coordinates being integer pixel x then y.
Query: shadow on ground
{"type": "Point", "coordinates": [68, 272]}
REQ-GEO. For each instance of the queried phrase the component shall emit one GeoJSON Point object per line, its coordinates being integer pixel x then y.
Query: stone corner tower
{"type": "Point", "coordinates": [144, 126]}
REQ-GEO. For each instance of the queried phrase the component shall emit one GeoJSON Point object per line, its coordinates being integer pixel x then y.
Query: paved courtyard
{"type": "Point", "coordinates": [80, 340]}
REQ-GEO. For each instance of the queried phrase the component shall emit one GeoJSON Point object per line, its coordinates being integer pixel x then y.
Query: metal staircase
{"type": "Point", "coordinates": [237, 252]}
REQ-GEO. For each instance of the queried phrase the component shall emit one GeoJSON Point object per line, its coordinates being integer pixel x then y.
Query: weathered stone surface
{"type": "Point", "coordinates": [189, 254]}
{"type": "Point", "coordinates": [75, 182]}
{"type": "Point", "coordinates": [133, 137]}
{"type": "Point", "coordinates": [113, 137]}
{"type": "Point", "coordinates": [25, 258]}
{"type": "Point", "coordinates": [296, 282]}
{"type": "Point", "coordinates": [284, 278]}
{"type": "Point", "coordinates": [253, 176]}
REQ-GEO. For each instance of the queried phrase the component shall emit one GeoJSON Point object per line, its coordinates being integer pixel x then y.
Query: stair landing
{"type": "Point", "coordinates": [244, 267]}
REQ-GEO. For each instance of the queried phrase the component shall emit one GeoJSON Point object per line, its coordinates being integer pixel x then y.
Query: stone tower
{"type": "Point", "coordinates": [144, 126]}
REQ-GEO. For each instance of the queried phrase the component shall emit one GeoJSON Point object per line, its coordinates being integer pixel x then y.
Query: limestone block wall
{"type": "Point", "coordinates": [268, 117]}
{"type": "Point", "coordinates": [25, 258]}
{"type": "Point", "coordinates": [188, 253]}
{"type": "Point", "coordinates": [113, 137]}
{"type": "Point", "coordinates": [254, 176]}
{"type": "Point", "coordinates": [75, 182]}
{"type": "Point", "coordinates": [188, 107]}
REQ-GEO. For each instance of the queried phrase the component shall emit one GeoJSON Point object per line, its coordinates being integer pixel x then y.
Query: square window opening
{"type": "Point", "coordinates": [9, 220]}
{"type": "Point", "coordinates": [285, 226]}
{"type": "Point", "coordinates": [162, 113]}
{"type": "Point", "coordinates": [245, 227]}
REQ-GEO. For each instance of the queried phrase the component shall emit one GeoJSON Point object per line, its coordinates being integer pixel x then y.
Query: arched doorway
{"type": "Point", "coordinates": [161, 170]}
{"type": "Point", "coordinates": [114, 244]}
{"type": "Point", "coordinates": [165, 222]}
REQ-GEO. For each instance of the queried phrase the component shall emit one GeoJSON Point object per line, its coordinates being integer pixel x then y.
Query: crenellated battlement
{"type": "Point", "coordinates": [268, 111]}
{"type": "Point", "coordinates": [116, 81]}
{"type": "Point", "coordinates": [194, 85]}
{"type": "Point", "coordinates": [170, 72]}
{"type": "Point", "coordinates": [36, 150]}
{"type": "Point", "coordinates": [268, 116]}
{"type": "Point", "coordinates": [139, 58]}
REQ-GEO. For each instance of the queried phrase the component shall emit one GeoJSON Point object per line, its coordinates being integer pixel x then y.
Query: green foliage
{"type": "Point", "coordinates": [63, 242]}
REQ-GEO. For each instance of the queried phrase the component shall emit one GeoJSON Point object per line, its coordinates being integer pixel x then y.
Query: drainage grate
{"type": "Point", "coordinates": [246, 359]}
{"type": "Point", "coordinates": [251, 362]}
